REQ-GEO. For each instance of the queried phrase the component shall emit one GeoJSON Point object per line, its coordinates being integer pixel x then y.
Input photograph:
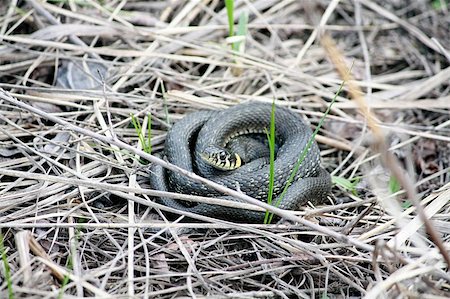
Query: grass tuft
{"type": "Point", "coordinates": [145, 141]}
{"type": "Point", "coordinates": [238, 42]}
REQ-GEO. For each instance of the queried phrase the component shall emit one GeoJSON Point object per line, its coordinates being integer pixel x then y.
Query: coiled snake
{"type": "Point", "coordinates": [191, 142]}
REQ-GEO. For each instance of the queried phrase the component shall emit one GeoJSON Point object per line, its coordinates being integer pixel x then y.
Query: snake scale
{"type": "Point", "coordinates": [196, 132]}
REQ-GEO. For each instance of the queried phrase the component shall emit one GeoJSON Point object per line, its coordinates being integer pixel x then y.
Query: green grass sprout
{"type": "Point", "coordinates": [145, 141]}
{"type": "Point", "coordinates": [229, 4]}
{"type": "Point", "coordinates": [6, 267]}
{"type": "Point", "coordinates": [271, 139]}
{"type": "Point", "coordinates": [406, 204]}
{"type": "Point", "coordinates": [238, 42]}
{"type": "Point", "coordinates": [440, 5]}
{"type": "Point", "coordinates": [346, 184]}
{"type": "Point", "coordinates": [239, 46]}
{"type": "Point", "coordinates": [394, 185]}
{"type": "Point", "coordinates": [66, 278]}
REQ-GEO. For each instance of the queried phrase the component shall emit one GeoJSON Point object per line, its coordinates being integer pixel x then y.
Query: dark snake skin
{"type": "Point", "coordinates": [200, 129]}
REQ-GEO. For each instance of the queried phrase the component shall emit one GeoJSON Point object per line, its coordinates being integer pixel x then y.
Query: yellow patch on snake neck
{"type": "Point", "coordinates": [238, 161]}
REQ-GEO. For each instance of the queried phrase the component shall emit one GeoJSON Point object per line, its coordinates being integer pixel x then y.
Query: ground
{"type": "Point", "coordinates": [78, 217]}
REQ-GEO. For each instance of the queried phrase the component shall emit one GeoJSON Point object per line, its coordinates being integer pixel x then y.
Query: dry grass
{"type": "Point", "coordinates": [62, 149]}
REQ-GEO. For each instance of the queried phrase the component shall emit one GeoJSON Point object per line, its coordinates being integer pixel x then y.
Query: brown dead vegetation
{"type": "Point", "coordinates": [76, 213]}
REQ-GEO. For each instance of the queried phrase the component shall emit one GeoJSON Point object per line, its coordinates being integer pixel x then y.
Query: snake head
{"type": "Point", "coordinates": [221, 158]}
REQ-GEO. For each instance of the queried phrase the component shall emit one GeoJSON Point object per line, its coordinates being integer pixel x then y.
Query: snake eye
{"type": "Point", "coordinates": [222, 156]}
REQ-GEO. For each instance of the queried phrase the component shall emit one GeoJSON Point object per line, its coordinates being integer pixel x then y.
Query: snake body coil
{"type": "Point", "coordinates": [193, 134]}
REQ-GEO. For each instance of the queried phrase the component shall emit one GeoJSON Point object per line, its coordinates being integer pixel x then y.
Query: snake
{"type": "Point", "coordinates": [200, 142]}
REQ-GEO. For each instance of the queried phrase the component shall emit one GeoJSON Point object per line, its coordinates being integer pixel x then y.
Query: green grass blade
{"type": "Point", "coordinates": [65, 280]}
{"type": "Point", "coordinates": [305, 151]}
{"type": "Point", "coordinates": [229, 4]}
{"type": "Point", "coordinates": [242, 31]}
{"type": "Point", "coordinates": [242, 25]}
{"type": "Point", "coordinates": [6, 267]}
{"type": "Point", "coordinates": [138, 128]}
{"type": "Point", "coordinates": [346, 184]}
{"type": "Point", "coordinates": [271, 138]}
{"type": "Point", "coordinates": [145, 142]}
